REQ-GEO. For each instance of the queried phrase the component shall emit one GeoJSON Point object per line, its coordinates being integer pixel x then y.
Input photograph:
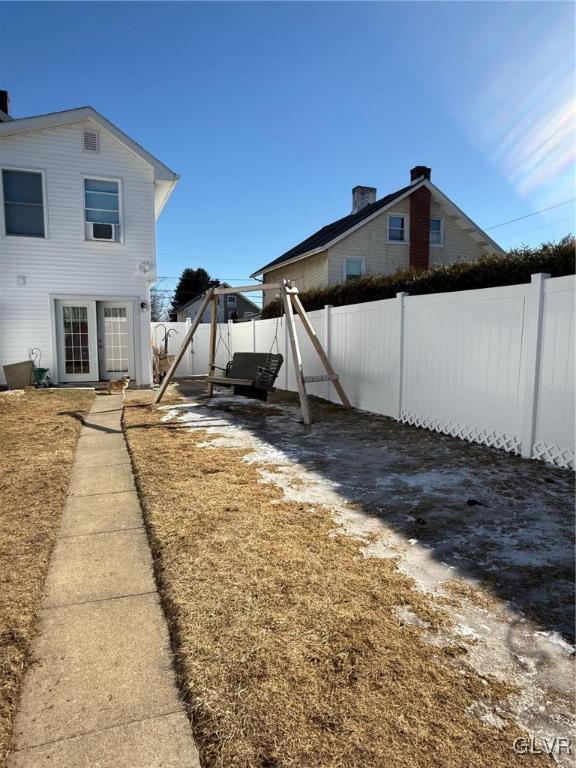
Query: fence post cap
{"type": "Point", "coordinates": [537, 276]}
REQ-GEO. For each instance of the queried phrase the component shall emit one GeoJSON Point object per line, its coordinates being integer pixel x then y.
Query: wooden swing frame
{"type": "Point", "coordinates": [291, 303]}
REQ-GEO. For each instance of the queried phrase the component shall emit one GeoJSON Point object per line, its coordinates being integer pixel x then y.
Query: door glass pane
{"type": "Point", "coordinates": [76, 345]}
{"type": "Point", "coordinates": [116, 339]}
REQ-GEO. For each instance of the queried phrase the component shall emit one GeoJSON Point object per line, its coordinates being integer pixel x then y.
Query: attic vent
{"type": "Point", "coordinates": [90, 141]}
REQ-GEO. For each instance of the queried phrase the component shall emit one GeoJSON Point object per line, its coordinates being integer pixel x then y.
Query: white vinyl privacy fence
{"type": "Point", "coordinates": [493, 366]}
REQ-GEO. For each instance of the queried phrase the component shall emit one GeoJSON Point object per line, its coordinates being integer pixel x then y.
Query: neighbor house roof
{"type": "Point", "coordinates": [164, 178]}
{"type": "Point", "coordinates": [331, 233]}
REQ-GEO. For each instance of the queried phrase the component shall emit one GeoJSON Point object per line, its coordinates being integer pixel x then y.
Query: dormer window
{"type": "Point", "coordinates": [91, 143]}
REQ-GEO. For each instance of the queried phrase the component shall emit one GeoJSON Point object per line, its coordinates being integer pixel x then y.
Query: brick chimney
{"type": "Point", "coordinates": [420, 170]}
{"type": "Point", "coordinates": [4, 103]}
{"type": "Point", "coordinates": [361, 197]}
{"type": "Point", "coordinates": [420, 220]}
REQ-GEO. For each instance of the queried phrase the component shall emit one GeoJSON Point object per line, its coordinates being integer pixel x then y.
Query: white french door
{"type": "Point", "coordinates": [77, 344]}
{"type": "Point", "coordinates": [115, 339]}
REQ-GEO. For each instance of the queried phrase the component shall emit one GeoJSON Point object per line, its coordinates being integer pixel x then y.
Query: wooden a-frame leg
{"type": "Point", "coordinates": [298, 372]}
{"type": "Point", "coordinates": [212, 348]}
{"type": "Point", "coordinates": [308, 327]}
{"type": "Point", "coordinates": [187, 339]}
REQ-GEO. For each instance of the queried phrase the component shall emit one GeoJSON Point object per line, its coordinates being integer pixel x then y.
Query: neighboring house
{"type": "Point", "coordinates": [416, 226]}
{"type": "Point", "coordinates": [79, 201]}
{"type": "Point", "coordinates": [232, 306]}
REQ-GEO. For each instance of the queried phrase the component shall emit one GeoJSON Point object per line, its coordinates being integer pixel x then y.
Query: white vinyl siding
{"type": "Point", "coordinates": [65, 263]}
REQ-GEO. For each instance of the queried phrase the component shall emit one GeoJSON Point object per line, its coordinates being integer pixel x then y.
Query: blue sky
{"type": "Point", "coordinates": [272, 112]}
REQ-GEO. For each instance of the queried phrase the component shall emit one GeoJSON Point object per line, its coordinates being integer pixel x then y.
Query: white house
{"type": "Point", "coordinates": [79, 201]}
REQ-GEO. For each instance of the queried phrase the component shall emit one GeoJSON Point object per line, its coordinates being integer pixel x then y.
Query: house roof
{"type": "Point", "coordinates": [331, 231]}
{"type": "Point", "coordinates": [182, 307]}
{"type": "Point", "coordinates": [164, 178]}
{"type": "Point", "coordinates": [335, 231]}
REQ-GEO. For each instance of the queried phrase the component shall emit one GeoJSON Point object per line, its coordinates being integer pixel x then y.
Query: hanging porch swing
{"type": "Point", "coordinates": [254, 373]}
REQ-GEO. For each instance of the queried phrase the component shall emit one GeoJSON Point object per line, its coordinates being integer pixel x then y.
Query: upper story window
{"type": "Point", "coordinates": [23, 203]}
{"type": "Point", "coordinates": [353, 269]}
{"type": "Point", "coordinates": [231, 301]}
{"type": "Point", "coordinates": [436, 233]}
{"type": "Point", "coordinates": [397, 229]}
{"type": "Point", "coordinates": [102, 209]}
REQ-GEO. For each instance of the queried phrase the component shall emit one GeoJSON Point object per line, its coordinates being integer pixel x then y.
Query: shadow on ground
{"type": "Point", "coordinates": [492, 517]}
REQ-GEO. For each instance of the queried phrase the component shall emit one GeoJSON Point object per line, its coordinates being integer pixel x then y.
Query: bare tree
{"type": "Point", "coordinates": [158, 308]}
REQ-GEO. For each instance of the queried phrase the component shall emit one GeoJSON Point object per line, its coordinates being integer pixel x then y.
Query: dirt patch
{"type": "Point", "coordinates": [290, 647]}
{"type": "Point", "coordinates": [38, 433]}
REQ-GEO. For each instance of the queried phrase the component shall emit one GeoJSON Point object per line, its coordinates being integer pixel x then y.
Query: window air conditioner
{"type": "Point", "coordinates": [95, 231]}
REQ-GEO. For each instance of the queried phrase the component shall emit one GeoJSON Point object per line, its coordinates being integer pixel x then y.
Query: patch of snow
{"type": "Point", "coordinates": [556, 639]}
{"type": "Point", "coordinates": [467, 631]}
{"type": "Point", "coordinates": [485, 714]}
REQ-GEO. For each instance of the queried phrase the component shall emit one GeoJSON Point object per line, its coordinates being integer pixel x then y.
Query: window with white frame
{"type": "Point", "coordinates": [353, 269]}
{"type": "Point", "coordinates": [397, 229]}
{"type": "Point", "coordinates": [436, 233]}
{"type": "Point", "coordinates": [231, 301]}
{"type": "Point", "coordinates": [102, 209]}
{"type": "Point", "coordinates": [23, 203]}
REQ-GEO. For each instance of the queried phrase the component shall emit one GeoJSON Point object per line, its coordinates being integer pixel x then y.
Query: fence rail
{"type": "Point", "coordinates": [493, 366]}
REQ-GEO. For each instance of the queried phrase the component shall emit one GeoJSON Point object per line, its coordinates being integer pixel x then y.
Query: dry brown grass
{"type": "Point", "coordinates": [38, 442]}
{"type": "Point", "coordinates": [288, 648]}
{"type": "Point", "coordinates": [459, 589]}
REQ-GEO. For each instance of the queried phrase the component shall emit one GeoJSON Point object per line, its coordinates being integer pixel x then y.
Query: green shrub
{"type": "Point", "coordinates": [515, 267]}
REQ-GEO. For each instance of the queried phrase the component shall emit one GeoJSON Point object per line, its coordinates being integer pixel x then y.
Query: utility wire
{"type": "Point", "coordinates": [541, 226]}
{"type": "Point", "coordinates": [542, 210]}
{"type": "Point", "coordinates": [486, 229]}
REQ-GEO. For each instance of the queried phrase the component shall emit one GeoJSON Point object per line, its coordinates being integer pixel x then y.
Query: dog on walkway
{"type": "Point", "coordinates": [118, 385]}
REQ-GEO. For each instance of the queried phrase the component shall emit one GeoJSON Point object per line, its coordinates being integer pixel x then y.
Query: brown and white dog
{"type": "Point", "coordinates": [118, 385]}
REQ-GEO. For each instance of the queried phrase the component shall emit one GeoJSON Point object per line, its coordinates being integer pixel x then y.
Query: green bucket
{"type": "Point", "coordinates": [41, 378]}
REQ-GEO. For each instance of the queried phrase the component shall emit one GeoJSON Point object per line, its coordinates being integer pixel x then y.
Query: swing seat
{"type": "Point", "coordinates": [252, 374]}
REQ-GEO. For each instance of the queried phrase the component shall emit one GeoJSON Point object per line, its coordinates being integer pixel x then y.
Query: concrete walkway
{"type": "Point", "coordinates": [101, 690]}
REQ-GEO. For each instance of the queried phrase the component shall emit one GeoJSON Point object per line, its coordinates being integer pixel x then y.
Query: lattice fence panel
{"type": "Point", "coordinates": [552, 454]}
{"type": "Point", "coordinates": [491, 438]}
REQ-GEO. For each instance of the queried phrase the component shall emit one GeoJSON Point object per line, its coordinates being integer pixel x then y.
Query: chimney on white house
{"type": "Point", "coordinates": [4, 105]}
{"type": "Point", "coordinates": [361, 197]}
